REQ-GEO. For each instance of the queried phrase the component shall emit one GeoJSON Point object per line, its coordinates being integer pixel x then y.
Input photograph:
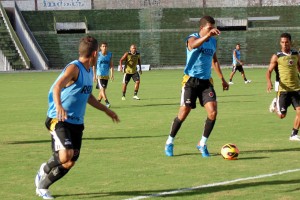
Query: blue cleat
{"type": "Point", "coordinates": [203, 150]}
{"type": "Point", "coordinates": [169, 149]}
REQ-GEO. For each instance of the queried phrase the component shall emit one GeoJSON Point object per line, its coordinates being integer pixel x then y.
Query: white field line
{"type": "Point", "coordinates": [212, 185]}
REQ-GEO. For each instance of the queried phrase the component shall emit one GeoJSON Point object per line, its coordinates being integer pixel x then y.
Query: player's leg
{"type": "Point", "coordinates": [294, 135]}
{"type": "Point", "coordinates": [126, 79]}
{"type": "Point", "coordinates": [136, 79]}
{"type": "Point", "coordinates": [208, 100]}
{"type": "Point", "coordinates": [187, 102]}
{"type": "Point", "coordinates": [99, 87]}
{"type": "Point", "coordinates": [232, 74]}
{"type": "Point", "coordinates": [63, 158]}
{"type": "Point", "coordinates": [241, 69]}
{"type": "Point", "coordinates": [296, 104]}
{"type": "Point", "coordinates": [103, 87]}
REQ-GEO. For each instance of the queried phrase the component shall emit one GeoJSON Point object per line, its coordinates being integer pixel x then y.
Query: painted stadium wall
{"type": "Point", "coordinates": [138, 4]}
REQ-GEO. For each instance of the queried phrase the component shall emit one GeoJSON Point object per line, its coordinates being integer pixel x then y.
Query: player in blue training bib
{"type": "Point", "coordinates": [197, 82]}
{"type": "Point", "coordinates": [67, 98]}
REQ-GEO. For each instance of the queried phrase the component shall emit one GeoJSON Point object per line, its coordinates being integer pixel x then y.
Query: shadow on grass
{"type": "Point", "coordinates": [204, 189]}
{"type": "Point", "coordinates": [95, 138]}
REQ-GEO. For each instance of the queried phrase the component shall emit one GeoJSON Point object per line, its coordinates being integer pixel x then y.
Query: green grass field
{"type": "Point", "coordinates": [127, 160]}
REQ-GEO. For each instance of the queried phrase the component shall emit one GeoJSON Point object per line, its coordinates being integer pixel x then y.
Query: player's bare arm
{"type": "Point", "coordinates": [121, 61]}
{"type": "Point", "coordinates": [140, 65]}
{"type": "Point", "coordinates": [111, 69]}
{"type": "Point", "coordinates": [196, 42]}
{"type": "Point", "coordinates": [273, 64]}
{"type": "Point", "coordinates": [96, 104]}
{"type": "Point", "coordinates": [94, 72]}
{"type": "Point", "coordinates": [216, 66]}
{"type": "Point", "coordinates": [69, 77]}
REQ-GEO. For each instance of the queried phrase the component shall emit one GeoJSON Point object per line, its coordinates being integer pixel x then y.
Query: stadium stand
{"type": "Point", "coordinates": [160, 32]}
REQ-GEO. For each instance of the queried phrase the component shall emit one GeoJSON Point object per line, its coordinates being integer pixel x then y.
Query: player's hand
{"type": "Point", "coordinates": [225, 85]}
{"type": "Point", "coordinates": [140, 72]}
{"type": "Point", "coordinates": [269, 87]}
{"type": "Point", "coordinates": [61, 114]}
{"type": "Point", "coordinates": [214, 32]}
{"type": "Point", "coordinates": [113, 115]}
{"type": "Point", "coordinates": [112, 78]}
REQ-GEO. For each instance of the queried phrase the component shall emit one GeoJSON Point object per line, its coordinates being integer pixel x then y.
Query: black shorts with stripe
{"type": "Point", "coordinates": [197, 88]}
{"type": "Point", "coordinates": [65, 136]}
{"type": "Point", "coordinates": [286, 99]}
{"type": "Point", "coordinates": [135, 77]}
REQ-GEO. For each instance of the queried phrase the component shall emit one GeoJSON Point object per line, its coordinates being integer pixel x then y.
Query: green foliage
{"type": "Point", "coordinates": [125, 160]}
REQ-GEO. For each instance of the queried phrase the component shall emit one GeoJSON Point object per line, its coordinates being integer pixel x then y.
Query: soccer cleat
{"type": "Point", "coordinates": [123, 98]}
{"type": "Point", "coordinates": [169, 149]}
{"type": "Point", "coordinates": [272, 105]}
{"type": "Point", "coordinates": [294, 138]}
{"type": "Point", "coordinates": [108, 105]}
{"type": "Point", "coordinates": [40, 175]}
{"type": "Point", "coordinates": [203, 150]}
{"type": "Point", "coordinates": [248, 81]}
{"type": "Point", "coordinates": [136, 97]}
{"type": "Point", "coordinates": [45, 193]}
{"type": "Point", "coordinates": [230, 83]}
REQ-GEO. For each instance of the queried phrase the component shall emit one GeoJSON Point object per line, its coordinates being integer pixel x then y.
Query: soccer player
{"type": "Point", "coordinates": [132, 58]}
{"type": "Point", "coordinates": [68, 97]}
{"type": "Point", "coordinates": [201, 56]}
{"type": "Point", "coordinates": [288, 62]}
{"type": "Point", "coordinates": [237, 64]}
{"type": "Point", "coordinates": [101, 72]}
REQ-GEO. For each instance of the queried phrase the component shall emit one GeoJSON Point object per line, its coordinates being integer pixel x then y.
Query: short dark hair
{"type": "Point", "coordinates": [207, 19]}
{"type": "Point", "coordinates": [87, 45]}
{"type": "Point", "coordinates": [286, 35]}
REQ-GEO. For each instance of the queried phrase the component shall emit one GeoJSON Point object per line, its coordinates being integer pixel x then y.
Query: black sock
{"type": "Point", "coordinates": [106, 101]}
{"type": "Point", "coordinates": [135, 92]}
{"type": "Point", "coordinates": [230, 80]}
{"type": "Point", "coordinates": [175, 127]}
{"type": "Point", "coordinates": [124, 94]}
{"type": "Point", "coordinates": [55, 174]}
{"type": "Point", "coordinates": [245, 79]}
{"type": "Point", "coordinates": [52, 162]}
{"type": "Point", "coordinates": [294, 132]}
{"type": "Point", "coordinates": [208, 127]}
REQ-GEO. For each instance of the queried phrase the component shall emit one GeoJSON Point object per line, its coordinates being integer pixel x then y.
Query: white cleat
{"type": "Point", "coordinates": [45, 193]}
{"type": "Point", "coordinates": [294, 138]}
{"type": "Point", "coordinates": [136, 97]}
{"type": "Point", "coordinates": [123, 98]}
{"type": "Point", "coordinates": [272, 106]}
{"type": "Point", "coordinates": [230, 83]}
{"type": "Point", "coordinates": [40, 175]}
{"type": "Point", "coordinates": [248, 81]}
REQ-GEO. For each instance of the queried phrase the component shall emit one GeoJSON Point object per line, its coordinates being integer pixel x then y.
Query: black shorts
{"type": "Point", "coordinates": [285, 99]}
{"type": "Point", "coordinates": [135, 77]}
{"type": "Point", "coordinates": [101, 83]}
{"type": "Point", "coordinates": [196, 88]}
{"type": "Point", "coordinates": [65, 136]}
{"type": "Point", "coordinates": [237, 68]}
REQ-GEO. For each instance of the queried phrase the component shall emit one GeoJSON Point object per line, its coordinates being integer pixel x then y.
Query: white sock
{"type": "Point", "coordinates": [170, 140]}
{"type": "Point", "coordinates": [203, 141]}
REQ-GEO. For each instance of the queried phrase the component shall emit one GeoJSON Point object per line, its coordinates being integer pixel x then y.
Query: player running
{"type": "Point", "coordinates": [288, 62]}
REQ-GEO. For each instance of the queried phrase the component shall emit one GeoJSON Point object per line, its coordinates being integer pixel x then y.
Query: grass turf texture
{"type": "Point", "coordinates": [126, 160]}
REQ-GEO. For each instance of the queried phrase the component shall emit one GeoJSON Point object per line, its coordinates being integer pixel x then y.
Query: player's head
{"type": "Point", "coordinates": [103, 47]}
{"type": "Point", "coordinates": [285, 41]}
{"type": "Point", "coordinates": [133, 48]}
{"type": "Point", "coordinates": [88, 48]}
{"type": "Point", "coordinates": [238, 46]}
{"type": "Point", "coordinates": [206, 24]}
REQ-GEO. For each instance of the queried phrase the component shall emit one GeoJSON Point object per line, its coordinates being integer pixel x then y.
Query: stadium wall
{"type": "Point", "coordinates": [140, 4]}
